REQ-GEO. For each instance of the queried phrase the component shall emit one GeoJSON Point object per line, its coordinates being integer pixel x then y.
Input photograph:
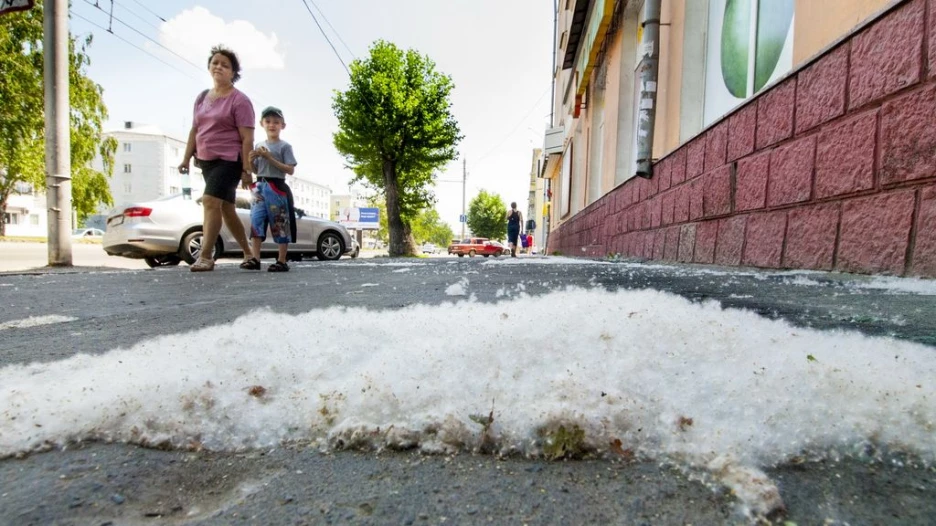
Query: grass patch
{"type": "Point", "coordinates": [23, 239]}
{"type": "Point", "coordinates": [565, 443]}
{"type": "Point", "coordinates": [37, 239]}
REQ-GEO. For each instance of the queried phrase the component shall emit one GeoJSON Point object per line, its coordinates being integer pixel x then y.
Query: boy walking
{"type": "Point", "coordinates": [272, 207]}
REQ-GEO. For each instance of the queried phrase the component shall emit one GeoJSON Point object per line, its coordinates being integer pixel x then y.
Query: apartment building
{"type": "Point", "coordinates": [313, 198]}
{"type": "Point", "coordinates": [146, 165]}
{"type": "Point", "coordinates": [25, 214]}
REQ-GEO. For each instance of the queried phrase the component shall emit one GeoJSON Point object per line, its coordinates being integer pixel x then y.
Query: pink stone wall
{"type": "Point", "coordinates": [834, 168]}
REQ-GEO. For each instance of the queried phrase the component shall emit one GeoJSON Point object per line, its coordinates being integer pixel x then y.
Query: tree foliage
{"type": "Point", "coordinates": [395, 129]}
{"type": "Point", "coordinates": [22, 122]}
{"type": "Point", "coordinates": [380, 204]}
{"type": "Point", "coordinates": [487, 216]}
{"type": "Point", "coordinates": [429, 227]}
{"type": "Point", "coordinates": [426, 226]}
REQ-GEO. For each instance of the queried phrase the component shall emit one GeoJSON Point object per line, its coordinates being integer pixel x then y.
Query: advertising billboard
{"type": "Point", "coordinates": [359, 218]}
{"type": "Point", "coordinates": [8, 6]}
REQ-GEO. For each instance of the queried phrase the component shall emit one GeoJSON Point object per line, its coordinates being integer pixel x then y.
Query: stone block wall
{"type": "Point", "coordinates": [834, 168]}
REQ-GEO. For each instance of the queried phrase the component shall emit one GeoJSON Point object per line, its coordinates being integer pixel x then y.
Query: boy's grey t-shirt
{"type": "Point", "coordinates": [281, 151]}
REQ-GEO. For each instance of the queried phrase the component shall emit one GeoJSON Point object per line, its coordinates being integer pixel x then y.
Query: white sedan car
{"type": "Point", "coordinates": [168, 230]}
{"type": "Point", "coordinates": [88, 233]}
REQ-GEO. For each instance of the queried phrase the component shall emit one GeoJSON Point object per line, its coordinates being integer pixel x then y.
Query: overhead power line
{"type": "Point", "coordinates": [131, 44]}
{"type": "Point", "coordinates": [142, 34]}
{"type": "Point", "coordinates": [141, 4]}
{"type": "Point", "coordinates": [337, 34]}
{"type": "Point", "coordinates": [515, 128]}
{"type": "Point", "coordinates": [135, 14]}
{"type": "Point", "coordinates": [309, 9]}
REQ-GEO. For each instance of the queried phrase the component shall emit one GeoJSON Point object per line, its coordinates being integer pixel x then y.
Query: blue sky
{"type": "Point", "coordinates": [497, 51]}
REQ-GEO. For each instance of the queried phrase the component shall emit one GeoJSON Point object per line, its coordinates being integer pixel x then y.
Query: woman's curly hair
{"type": "Point", "coordinates": [235, 64]}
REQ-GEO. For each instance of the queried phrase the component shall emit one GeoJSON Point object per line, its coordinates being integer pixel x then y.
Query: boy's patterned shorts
{"type": "Point", "coordinates": [270, 209]}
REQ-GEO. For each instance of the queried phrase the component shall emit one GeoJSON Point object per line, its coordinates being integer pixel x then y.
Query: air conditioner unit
{"type": "Point", "coordinates": [552, 142]}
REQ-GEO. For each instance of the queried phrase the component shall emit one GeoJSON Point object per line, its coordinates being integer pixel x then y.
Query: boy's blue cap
{"type": "Point", "coordinates": [271, 110]}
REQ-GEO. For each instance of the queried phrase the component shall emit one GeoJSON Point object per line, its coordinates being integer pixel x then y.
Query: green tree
{"type": "Point", "coordinates": [487, 216]}
{"type": "Point", "coordinates": [429, 227]}
{"type": "Point", "coordinates": [380, 204]}
{"type": "Point", "coordinates": [395, 128]}
{"type": "Point", "coordinates": [22, 123]}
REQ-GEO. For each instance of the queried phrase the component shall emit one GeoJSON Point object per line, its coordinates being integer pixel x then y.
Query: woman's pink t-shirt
{"type": "Point", "coordinates": [217, 122]}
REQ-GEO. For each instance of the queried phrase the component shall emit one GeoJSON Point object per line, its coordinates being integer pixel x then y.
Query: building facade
{"type": "Point", "coordinates": [536, 202]}
{"type": "Point", "coordinates": [744, 108]}
{"type": "Point", "coordinates": [146, 165]}
{"type": "Point", "coordinates": [313, 198]}
{"type": "Point", "coordinates": [26, 214]}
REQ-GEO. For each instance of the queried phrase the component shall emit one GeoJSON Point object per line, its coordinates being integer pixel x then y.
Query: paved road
{"type": "Point", "coordinates": [17, 256]}
{"type": "Point", "coordinates": [96, 483]}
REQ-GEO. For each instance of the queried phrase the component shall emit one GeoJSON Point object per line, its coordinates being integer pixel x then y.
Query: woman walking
{"type": "Point", "coordinates": [221, 139]}
{"type": "Point", "coordinates": [514, 220]}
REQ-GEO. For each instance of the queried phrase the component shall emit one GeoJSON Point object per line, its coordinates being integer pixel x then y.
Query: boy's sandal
{"type": "Point", "coordinates": [202, 265]}
{"type": "Point", "coordinates": [250, 264]}
{"type": "Point", "coordinates": [278, 267]}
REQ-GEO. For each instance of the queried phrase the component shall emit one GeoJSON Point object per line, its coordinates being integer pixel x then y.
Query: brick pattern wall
{"type": "Point", "coordinates": [832, 169]}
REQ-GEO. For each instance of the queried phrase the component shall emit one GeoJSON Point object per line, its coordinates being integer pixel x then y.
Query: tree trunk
{"type": "Point", "coordinates": [401, 239]}
{"type": "Point", "coordinates": [3, 205]}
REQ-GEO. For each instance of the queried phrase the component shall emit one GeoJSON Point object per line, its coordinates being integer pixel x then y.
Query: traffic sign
{"type": "Point", "coordinates": [8, 6]}
{"type": "Point", "coordinates": [462, 218]}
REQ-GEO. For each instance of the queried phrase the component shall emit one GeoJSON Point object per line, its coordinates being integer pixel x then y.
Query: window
{"type": "Point", "coordinates": [175, 152]}
{"type": "Point", "coordinates": [174, 190]}
{"type": "Point", "coordinates": [566, 178]}
{"type": "Point", "coordinates": [10, 218]}
{"type": "Point", "coordinates": [127, 147]}
{"type": "Point", "coordinates": [127, 169]}
{"type": "Point", "coordinates": [128, 188]}
{"type": "Point", "coordinates": [750, 44]}
{"type": "Point", "coordinates": [34, 219]}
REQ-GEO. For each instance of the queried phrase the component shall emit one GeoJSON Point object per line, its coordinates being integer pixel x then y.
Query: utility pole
{"type": "Point", "coordinates": [464, 218]}
{"type": "Point", "coordinates": [58, 142]}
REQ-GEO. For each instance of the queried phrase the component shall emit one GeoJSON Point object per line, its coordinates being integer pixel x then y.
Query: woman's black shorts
{"type": "Point", "coordinates": [222, 178]}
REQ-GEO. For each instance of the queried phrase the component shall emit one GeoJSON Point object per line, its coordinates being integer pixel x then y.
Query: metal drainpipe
{"type": "Point", "coordinates": [552, 101]}
{"type": "Point", "coordinates": [649, 69]}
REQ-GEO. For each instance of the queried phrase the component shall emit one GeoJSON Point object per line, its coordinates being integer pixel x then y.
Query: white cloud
{"type": "Point", "coordinates": [193, 32]}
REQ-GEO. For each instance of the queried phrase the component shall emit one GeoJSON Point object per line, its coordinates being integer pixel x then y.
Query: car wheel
{"type": "Point", "coordinates": [192, 245]}
{"type": "Point", "coordinates": [485, 255]}
{"type": "Point", "coordinates": [497, 254]}
{"type": "Point", "coordinates": [293, 256]}
{"type": "Point", "coordinates": [461, 255]}
{"type": "Point", "coordinates": [169, 260]}
{"type": "Point", "coordinates": [471, 253]}
{"type": "Point", "coordinates": [329, 247]}
{"type": "Point", "coordinates": [356, 253]}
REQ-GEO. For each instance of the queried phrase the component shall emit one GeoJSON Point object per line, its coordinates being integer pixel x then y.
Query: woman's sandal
{"type": "Point", "coordinates": [250, 264]}
{"type": "Point", "coordinates": [202, 265]}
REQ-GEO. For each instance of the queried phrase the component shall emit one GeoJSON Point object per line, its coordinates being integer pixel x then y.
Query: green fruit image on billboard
{"type": "Point", "coordinates": [774, 18]}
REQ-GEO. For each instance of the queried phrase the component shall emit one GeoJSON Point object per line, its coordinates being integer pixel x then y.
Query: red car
{"type": "Point", "coordinates": [476, 246]}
